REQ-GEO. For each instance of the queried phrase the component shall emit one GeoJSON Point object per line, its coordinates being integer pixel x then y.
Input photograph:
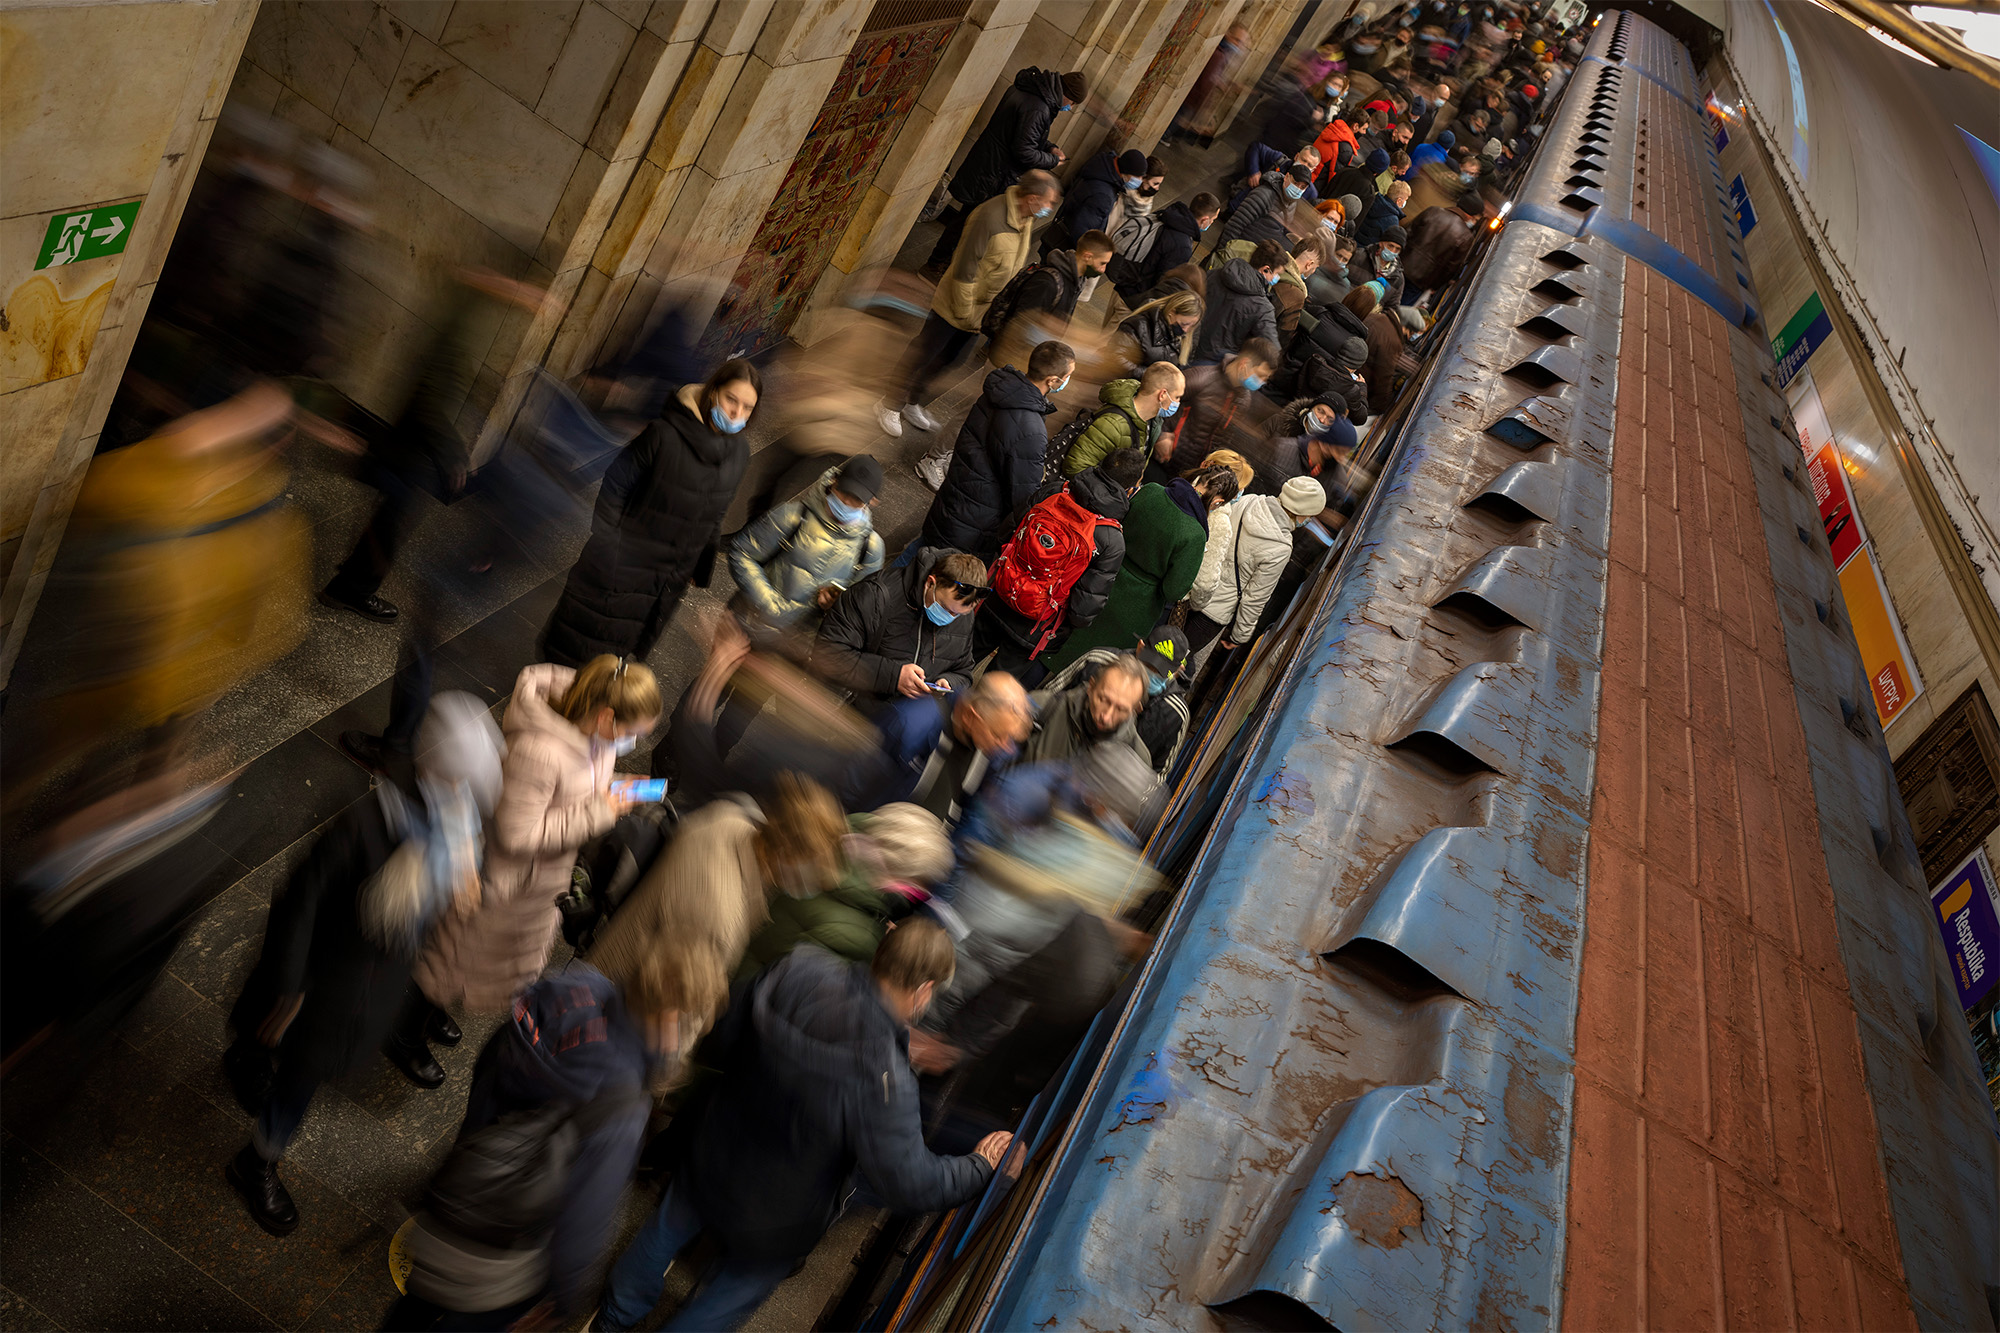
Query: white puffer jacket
{"type": "Point", "coordinates": [1249, 541]}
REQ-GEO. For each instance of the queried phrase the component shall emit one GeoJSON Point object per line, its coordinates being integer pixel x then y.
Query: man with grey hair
{"type": "Point", "coordinates": [937, 750]}
{"type": "Point", "coordinates": [1103, 711]}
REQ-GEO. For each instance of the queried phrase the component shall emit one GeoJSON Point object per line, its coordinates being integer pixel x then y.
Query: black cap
{"type": "Point", "coordinates": [859, 478]}
{"type": "Point", "coordinates": [1164, 650]}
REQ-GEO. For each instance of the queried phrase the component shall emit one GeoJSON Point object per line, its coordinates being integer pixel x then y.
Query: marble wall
{"type": "Point", "coordinates": [99, 104]}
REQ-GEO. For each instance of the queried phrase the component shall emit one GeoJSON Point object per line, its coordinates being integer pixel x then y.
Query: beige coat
{"type": "Point", "coordinates": [694, 912]}
{"type": "Point", "coordinates": [552, 800]}
{"type": "Point", "coordinates": [993, 249]}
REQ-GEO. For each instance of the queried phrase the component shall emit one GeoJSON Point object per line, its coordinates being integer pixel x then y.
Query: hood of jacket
{"type": "Point", "coordinates": [1099, 494]}
{"type": "Point", "coordinates": [821, 1021]}
{"type": "Point", "coordinates": [569, 1036]}
{"type": "Point", "coordinates": [1237, 276]}
{"type": "Point", "coordinates": [1119, 394]}
{"type": "Point", "coordinates": [1103, 167]}
{"type": "Point", "coordinates": [533, 706]}
{"type": "Point", "coordinates": [1009, 389]}
{"type": "Point", "coordinates": [1043, 83]}
{"type": "Point", "coordinates": [1177, 216]}
{"type": "Point", "coordinates": [815, 500]}
{"type": "Point", "coordinates": [1264, 516]}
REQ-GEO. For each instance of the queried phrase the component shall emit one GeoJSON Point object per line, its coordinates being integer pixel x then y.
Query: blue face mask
{"type": "Point", "coordinates": [1465, 178]}
{"type": "Point", "coordinates": [1206, 225]}
{"type": "Point", "coordinates": [1168, 409]}
{"type": "Point", "coordinates": [1295, 191]}
{"type": "Point", "coordinates": [1043, 211]}
{"type": "Point", "coordinates": [1155, 685]}
{"type": "Point", "coordinates": [1271, 281]}
{"type": "Point", "coordinates": [1132, 182]}
{"type": "Point", "coordinates": [1253, 382]}
{"type": "Point", "coordinates": [1064, 385]}
{"type": "Point", "coordinates": [724, 423]}
{"type": "Point", "coordinates": [843, 512]}
{"type": "Point", "coordinates": [939, 614]}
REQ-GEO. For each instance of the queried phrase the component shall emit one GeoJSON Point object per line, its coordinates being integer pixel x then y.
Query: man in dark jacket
{"type": "Point", "coordinates": [1048, 293]}
{"type": "Point", "coordinates": [998, 459]}
{"type": "Point", "coordinates": [1381, 262]}
{"type": "Point", "coordinates": [1239, 305]}
{"type": "Point", "coordinates": [1359, 181]}
{"type": "Point", "coordinates": [1087, 203]}
{"type": "Point", "coordinates": [1261, 216]}
{"type": "Point", "coordinates": [1385, 212]}
{"type": "Point", "coordinates": [1181, 226]}
{"type": "Point", "coordinates": [1106, 491]}
{"type": "Point", "coordinates": [1163, 718]}
{"type": "Point", "coordinates": [904, 632]}
{"type": "Point", "coordinates": [816, 1081]}
{"type": "Point", "coordinates": [1440, 241]}
{"type": "Point", "coordinates": [1102, 711]}
{"type": "Point", "coordinates": [573, 1040]}
{"type": "Point", "coordinates": [937, 752]}
{"type": "Point", "coordinates": [1221, 409]}
{"type": "Point", "coordinates": [1016, 139]}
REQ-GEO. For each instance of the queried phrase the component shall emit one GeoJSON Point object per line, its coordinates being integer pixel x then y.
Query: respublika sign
{"type": "Point", "coordinates": [1800, 338]}
{"type": "Point", "coordinates": [1966, 916]}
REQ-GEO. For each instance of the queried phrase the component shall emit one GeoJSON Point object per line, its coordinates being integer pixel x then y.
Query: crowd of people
{"type": "Point", "coordinates": [886, 866]}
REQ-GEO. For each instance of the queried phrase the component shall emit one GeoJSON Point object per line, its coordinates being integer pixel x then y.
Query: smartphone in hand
{"type": "Point", "coordinates": [640, 791]}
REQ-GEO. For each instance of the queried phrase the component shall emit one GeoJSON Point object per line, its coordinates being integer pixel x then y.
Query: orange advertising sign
{"type": "Point", "coordinates": [1884, 655]}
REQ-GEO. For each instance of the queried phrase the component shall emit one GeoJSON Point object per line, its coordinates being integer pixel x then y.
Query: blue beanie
{"type": "Point", "coordinates": [1378, 161]}
{"type": "Point", "coordinates": [1446, 140]}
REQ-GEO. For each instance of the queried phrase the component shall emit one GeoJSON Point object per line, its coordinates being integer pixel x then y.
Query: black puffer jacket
{"type": "Point", "coordinates": [1097, 493]}
{"type": "Point", "coordinates": [878, 627]}
{"type": "Point", "coordinates": [1047, 294]}
{"type": "Point", "coordinates": [995, 466]}
{"type": "Point", "coordinates": [655, 529]}
{"type": "Point", "coordinates": [1261, 215]}
{"type": "Point", "coordinates": [1239, 308]}
{"type": "Point", "coordinates": [1086, 204]}
{"type": "Point", "coordinates": [1149, 337]}
{"type": "Point", "coordinates": [1313, 369]}
{"type": "Point", "coordinates": [1173, 247]}
{"type": "Point", "coordinates": [1016, 138]}
{"type": "Point", "coordinates": [815, 1082]}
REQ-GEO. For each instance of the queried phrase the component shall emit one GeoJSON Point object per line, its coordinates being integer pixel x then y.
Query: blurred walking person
{"type": "Point", "coordinates": [816, 1084]}
{"type": "Point", "coordinates": [1014, 140]}
{"type": "Point", "coordinates": [658, 522]}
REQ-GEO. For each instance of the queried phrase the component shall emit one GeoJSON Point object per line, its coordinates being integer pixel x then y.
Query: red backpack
{"type": "Point", "coordinates": [1044, 558]}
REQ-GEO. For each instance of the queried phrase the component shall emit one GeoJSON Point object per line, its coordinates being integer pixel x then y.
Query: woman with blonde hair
{"type": "Point", "coordinates": [1160, 330]}
{"type": "Point", "coordinates": [1235, 462]}
{"type": "Point", "coordinates": [687, 922]}
{"type": "Point", "coordinates": [565, 730]}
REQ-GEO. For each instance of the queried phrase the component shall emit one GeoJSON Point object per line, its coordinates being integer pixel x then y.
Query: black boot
{"type": "Point", "coordinates": [269, 1202]}
{"type": "Point", "coordinates": [417, 1063]}
{"type": "Point", "coordinates": [442, 1030]}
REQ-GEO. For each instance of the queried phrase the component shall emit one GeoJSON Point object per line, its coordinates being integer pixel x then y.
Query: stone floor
{"type": "Point", "coordinates": [113, 1208]}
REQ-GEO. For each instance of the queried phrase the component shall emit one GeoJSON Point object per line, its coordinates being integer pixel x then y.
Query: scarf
{"type": "Point", "coordinates": [1189, 500]}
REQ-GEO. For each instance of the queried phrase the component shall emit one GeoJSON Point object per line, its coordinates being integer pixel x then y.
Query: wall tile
{"type": "Point", "coordinates": [811, 30]}
{"type": "Point", "coordinates": [697, 102]}
{"type": "Point", "coordinates": [635, 76]}
{"type": "Point", "coordinates": [624, 225]}
{"type": "Point", "coordinates": [734, 27]}
{"type": "Point", "coordinates": [302, 115]}
{"type": "Point", "coordinates": [514, 44]}
{"type": "Point", "coordinates": [427, 17]}
{"type": "Point", "coordinates": [253, 87]}
{"type": "Point", "coordinates": [767, 115]}
{"type": "Point", "coordinates": [678, 20]}
{"type": "Point", "coordinates": [63, 150]}
{"type": "Point", "coordinates": [584, 180]}
{"type": "Point", "coordinates": [35, 419]}
{"type": "Point", "coordinates": [631, 11]}
{"type": "Point", "coordinates": [443, 124]}
{"type": "Point", "coordinates": [304, 48]}
{"type": "Point", "coordinates": [589, 64]}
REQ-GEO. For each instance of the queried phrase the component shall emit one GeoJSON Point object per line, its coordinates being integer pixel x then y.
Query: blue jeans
{"type": "Point", "coordinates": [726, 1296]}
{"type": "Point", "coordinates": [909, 553]}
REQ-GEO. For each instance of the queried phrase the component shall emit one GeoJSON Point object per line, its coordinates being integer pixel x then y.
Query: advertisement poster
{"type": "Point", "coordinates": [1970, 922]}
{"type": "Point", "coordinates": [1891, 676]}
{"type": "Point", "coordinates": [1800, 338]}
{"type": "Point", "coordinates": [1836, 503]}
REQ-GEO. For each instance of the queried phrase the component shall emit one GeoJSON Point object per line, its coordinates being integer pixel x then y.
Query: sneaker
{"type": "Point", "coordinates": [891, 419]}
{"type": "Point", "coordinates": [932, 467]}
{"type": "Point", "coordinates": [919, 418]}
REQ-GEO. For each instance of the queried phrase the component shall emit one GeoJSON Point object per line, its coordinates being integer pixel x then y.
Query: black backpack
{"type": "Point", "coordinates": [610, 865]}
{"type": "Point", "coordinates": [1061, 442]}
{"type": "Point", "coordinates": [1001, 313]}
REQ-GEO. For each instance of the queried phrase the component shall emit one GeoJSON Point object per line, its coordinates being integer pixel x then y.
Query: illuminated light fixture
{"type": "Point", "coordinates": [1979, 31]}
{"type": "Point", "coordinates": [1881, 36]}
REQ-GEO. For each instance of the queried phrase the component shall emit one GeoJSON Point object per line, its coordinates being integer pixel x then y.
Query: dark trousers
{"type": "Point", "coordinates": [953, 218]}
{"type": "Point", "coordinates": [409, 693]}
{"type": "Point", "coordinates": [1201, 631]}
{"type": "Point", "coordinates": [934, 350]}
{"type": "Point", "coordinates": [375, 554]}
{"type": "Point", "coordinates": [1009, 655]}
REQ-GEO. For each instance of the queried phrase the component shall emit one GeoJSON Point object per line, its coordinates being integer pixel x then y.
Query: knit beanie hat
{"type": "Point", "coordinates": [1302, 497]}
{"type": "Point", "coordinates": [1446, 140]}
{"type": "Point", "coordinates": [1378, 161]}
{"type": "Point", "coordinates": [1350, 206]}
{"type": "Point", "coordinates": [1073, 86]}
{"type": "Point", "coordinates": [1393, 236]}
{"type": "Point", "coordinates": [1353, 353]}
{"type": "Point", "coordinates": [1132, 162]}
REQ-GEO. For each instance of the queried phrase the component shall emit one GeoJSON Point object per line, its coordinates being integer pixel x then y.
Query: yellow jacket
{"type": "Point", "coordinates": [993, 249]}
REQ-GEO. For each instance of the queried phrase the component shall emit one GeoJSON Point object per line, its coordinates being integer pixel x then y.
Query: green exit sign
{"type": "Point", "coordinates": [91, 234]}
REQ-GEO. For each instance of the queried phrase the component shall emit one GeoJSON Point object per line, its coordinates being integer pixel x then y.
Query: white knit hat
{"type": "Point", "coordinates": [1302, 497]}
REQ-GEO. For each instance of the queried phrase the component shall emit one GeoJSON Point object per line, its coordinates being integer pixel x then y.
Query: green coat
{"type": "Point", "coordinates": [849, 920]}
{"type": "Point", "coordinates": [1163, 548]}
{"type": "Point", "coordinates": [1111, 431]}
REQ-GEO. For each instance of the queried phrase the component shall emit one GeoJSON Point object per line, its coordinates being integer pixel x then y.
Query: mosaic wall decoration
{"type": "Point", "coordinates": [1161, 71]}
{"type": "Point", "coordinates": [881, 80]}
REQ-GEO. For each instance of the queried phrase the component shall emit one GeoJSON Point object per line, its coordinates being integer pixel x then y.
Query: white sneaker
{"type": "Point", "coordinates": [919, 418]}
{"type": "Point", "coordinates": [891, 419]}
{"type": "Point", "coordinates": [932, 467]}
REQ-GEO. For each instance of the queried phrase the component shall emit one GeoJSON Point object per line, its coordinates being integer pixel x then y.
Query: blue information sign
{"type": "Point", "coordinates": [1746, 216]}
{"type": "Point", "coordinates": [1964, 904]}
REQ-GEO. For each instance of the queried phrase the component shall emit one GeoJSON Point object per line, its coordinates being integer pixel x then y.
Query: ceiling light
{"type": "Point", "coordinates": [1979, 31]}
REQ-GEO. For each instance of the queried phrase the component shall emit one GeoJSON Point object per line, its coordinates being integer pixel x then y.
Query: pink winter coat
{"type": "Point", "coordinates": [552, 800]}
